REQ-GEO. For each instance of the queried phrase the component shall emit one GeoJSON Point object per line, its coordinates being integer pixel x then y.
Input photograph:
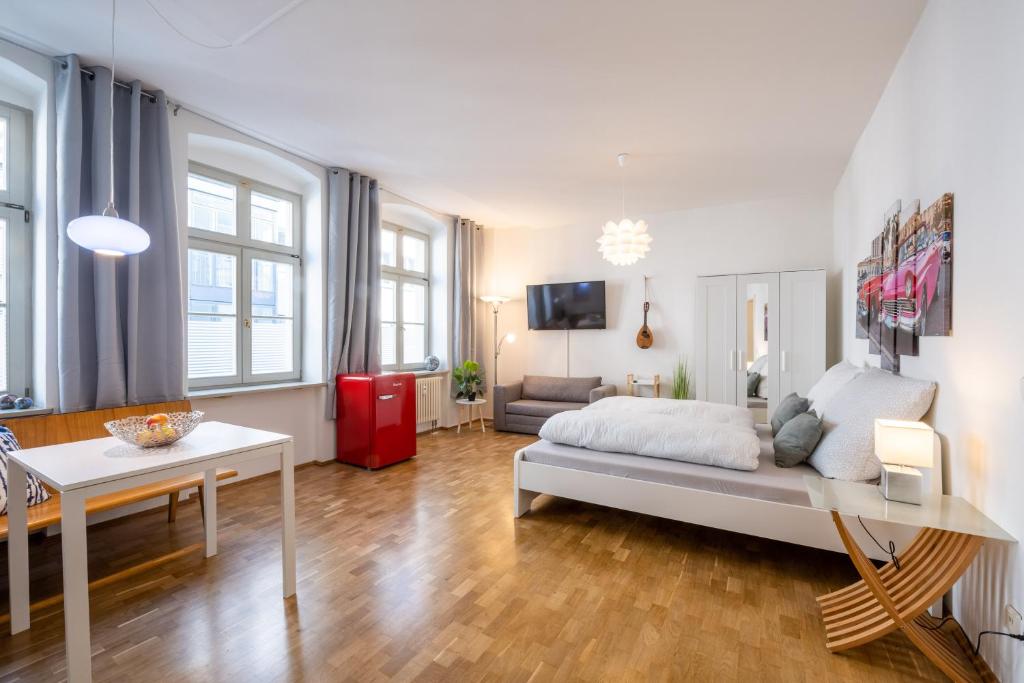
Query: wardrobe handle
{"type": "Point", "coordinates": [783, 365]}
{"type": "Point", "coordinates": [732, 360]}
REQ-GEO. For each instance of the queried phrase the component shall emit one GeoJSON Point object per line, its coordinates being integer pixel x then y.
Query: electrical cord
{"type": "Point", "coordinates": [890, 551]}
{"type": "Point", "coordinates": [976, 648]}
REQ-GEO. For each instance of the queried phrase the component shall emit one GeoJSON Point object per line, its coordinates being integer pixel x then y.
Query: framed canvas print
{"type": "Point", "coordinates": [889, 310]}
{"type": "Point", "coordinates": [861, 323]}
{"type": "Point", "coordinates": [873, 296]}
{"type": "Point", "coordinates": [935, 269]}
{"type": "Point", "coordinates": [905, 312]}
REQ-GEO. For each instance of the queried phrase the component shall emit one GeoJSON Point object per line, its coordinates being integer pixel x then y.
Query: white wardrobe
{"type": "Point", "coordinates": [760, 336]}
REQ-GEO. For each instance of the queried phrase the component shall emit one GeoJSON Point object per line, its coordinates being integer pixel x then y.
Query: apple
{"type": "Point", "coordinates": [157, 420]}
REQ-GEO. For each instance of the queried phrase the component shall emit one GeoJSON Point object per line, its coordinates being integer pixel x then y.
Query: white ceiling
{"type": "Point", "coordinates": [512, 112]}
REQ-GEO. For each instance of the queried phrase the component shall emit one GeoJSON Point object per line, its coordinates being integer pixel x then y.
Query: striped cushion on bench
{"type": "Point", "coordinates": [37, 493]}
{"type": "Point", "coordinates": [35, 489]}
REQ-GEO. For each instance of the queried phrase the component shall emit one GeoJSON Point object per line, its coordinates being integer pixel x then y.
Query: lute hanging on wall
{"type": "Point", "coordinates": [645, 338]}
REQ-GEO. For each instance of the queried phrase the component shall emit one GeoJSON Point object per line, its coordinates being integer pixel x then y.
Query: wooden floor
{"type": "Point", "coordinates": [420, 572]}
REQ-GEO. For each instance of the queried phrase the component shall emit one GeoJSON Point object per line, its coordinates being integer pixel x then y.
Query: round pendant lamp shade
{"type": "Point", "coordinates": [108, 235]}
{"type": "Point", "coordinates": [624, 243]}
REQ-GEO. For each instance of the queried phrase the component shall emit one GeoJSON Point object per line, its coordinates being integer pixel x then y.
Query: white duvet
{"type": "Point", "coordinates": [695, 410]}
{"type": "Point", "coordinates": [689, 431]}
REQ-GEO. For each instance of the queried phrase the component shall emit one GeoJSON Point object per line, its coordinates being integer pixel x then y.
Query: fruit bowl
{"type": "Point", "coordinates": [151, 431]}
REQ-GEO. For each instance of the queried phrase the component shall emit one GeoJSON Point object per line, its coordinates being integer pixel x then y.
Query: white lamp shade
{"type": "Point", "coordinates": [494, 299]}
{"type": "Point", "coordinates": [108, 235]}
{"type": "Point", "coordinates": [624, 243]}
{"type": "Point", "coordinates": [511, 337]}
{"type": "Point", "coordinates": [899, 442]}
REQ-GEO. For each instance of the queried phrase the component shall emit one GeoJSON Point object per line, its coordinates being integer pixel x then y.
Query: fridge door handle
{"type": "Point", "coordinates": [385, 397]}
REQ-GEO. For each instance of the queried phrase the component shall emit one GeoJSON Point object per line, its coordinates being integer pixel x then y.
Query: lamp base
{"type": "Point", "coordinates": [901, 484]}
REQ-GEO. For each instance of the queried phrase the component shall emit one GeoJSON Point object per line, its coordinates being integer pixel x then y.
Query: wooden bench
{"type": "Point", "coordinates": [45, 430]}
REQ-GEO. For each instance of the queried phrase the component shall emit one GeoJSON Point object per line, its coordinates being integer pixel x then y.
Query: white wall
{"type": "Point", "coordinates": [787, 233]}
{"type": "Point", "coordinates": [950, 120]}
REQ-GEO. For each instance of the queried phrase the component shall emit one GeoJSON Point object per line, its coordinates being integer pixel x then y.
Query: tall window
{"type": "Point", "coordinates": [15, 251]}
{"type": "Point", "coordinates": [244, 275]}
{"type": "Point", "coordinates": [404, 298]}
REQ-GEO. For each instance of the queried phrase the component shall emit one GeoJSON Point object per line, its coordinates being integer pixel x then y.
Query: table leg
{"type": "Point", "coordinates": [210, 511]}
{"type": "Point", "coordinates": [76, 586]}
{"type": "Point", "coordinates": [288, 517]}
{"type": "Point", "coordinates": [458, 429]}
{"type": "Point", "coordinates": [480, 414]}
{"type": "Point", "coordinates": [17, 547]}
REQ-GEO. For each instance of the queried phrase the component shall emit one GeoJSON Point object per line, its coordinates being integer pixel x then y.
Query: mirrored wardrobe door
{"type": "Point", "coordinates": [757, 341]}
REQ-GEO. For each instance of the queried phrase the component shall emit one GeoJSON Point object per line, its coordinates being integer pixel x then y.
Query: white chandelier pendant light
{"type": "Point", "coordinates": [107, 233]}
{"type": "Point", "coordinates": [626, 242]}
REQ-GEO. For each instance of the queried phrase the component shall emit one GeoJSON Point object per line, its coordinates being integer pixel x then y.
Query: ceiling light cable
{"type": "Point", "coordinates": [113, 81]}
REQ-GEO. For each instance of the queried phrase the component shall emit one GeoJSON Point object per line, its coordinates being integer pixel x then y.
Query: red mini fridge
{"type": "Point", "coordinates": [376, 419]}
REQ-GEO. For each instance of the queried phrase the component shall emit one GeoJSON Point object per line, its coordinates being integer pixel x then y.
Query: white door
{"type": "Point", "coordinates": [716, 339]}
{"type": "Point", "coordinates": [802, 330]}
{"type": "Point", "coordinates": [757, 343]}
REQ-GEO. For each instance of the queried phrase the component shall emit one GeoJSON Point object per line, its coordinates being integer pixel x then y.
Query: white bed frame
{"type": "Point", "coordinates": [798, 524]}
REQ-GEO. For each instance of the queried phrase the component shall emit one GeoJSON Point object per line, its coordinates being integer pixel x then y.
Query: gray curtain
{"type": "Point", "coordinates": [466, 269]}
{"type": "Point", "coordinates": [353, 276]}
{"type": "Point", "coordinates": [120, 321]}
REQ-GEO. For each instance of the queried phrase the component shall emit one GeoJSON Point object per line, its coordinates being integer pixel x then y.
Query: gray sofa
{"type": "Point", "coordinates": [525, 406]}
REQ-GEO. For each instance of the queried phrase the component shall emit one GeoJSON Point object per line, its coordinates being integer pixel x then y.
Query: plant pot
{"type": "Point", "coordinates": [471, 396]}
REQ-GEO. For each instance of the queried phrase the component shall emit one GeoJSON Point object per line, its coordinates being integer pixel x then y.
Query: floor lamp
{"type": "Point", "coordinates": [496, 301]}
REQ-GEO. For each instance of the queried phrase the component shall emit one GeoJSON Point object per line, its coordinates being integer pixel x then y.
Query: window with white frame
{"type": "Point", "coordinates": [244, 280]}
{"type": "Point", "coordinates": [404, 298]}
{"type": "Point", "coordinates": [15, 251]}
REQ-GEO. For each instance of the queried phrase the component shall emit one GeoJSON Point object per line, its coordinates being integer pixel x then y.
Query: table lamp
{"type": "Point", "coordinates": [903, 447]}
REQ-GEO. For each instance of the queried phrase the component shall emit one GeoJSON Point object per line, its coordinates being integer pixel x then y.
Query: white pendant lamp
{"type": "Point", "coordinates": [107, 233]}
{"type": "Point", "coordinates": [624, 243]}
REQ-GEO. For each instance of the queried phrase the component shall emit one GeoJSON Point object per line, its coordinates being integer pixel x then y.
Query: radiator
{"type": "Point", "coordinates": [430, 397]}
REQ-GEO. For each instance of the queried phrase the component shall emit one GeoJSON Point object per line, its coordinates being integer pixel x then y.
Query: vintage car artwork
{"type": "Point", "coordinates": [905, 287]}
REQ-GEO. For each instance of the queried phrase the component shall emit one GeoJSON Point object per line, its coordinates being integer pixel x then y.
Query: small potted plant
{"type": "Point", "coordinates": [468, 380]}
{"type": "Point", "coordinates": [682, 380]}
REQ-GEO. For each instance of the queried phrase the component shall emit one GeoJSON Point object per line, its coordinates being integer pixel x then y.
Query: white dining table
{"type": "Point", "coordinates": [83, 469]}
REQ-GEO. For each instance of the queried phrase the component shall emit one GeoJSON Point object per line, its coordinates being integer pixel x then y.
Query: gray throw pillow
{"type": "Point", "coordinates": [795, 442]}
{"type": "Point", "coordinates": [753, 378]}
{"type": "Point", "coordinates": [789, 407]}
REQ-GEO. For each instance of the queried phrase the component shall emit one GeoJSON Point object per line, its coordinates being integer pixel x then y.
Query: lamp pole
{"type": "Point", "coordinates": [496, 301]}
{"type": "Point", "coordinates": [497, 345]}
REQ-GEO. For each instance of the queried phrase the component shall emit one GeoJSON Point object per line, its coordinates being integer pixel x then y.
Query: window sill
{"type": "Point", "coordinates": [28, 412]}
{"type": "Point", "coordinates": [224, 392]}
{"type": "Point", "coordinates": [418, 373]}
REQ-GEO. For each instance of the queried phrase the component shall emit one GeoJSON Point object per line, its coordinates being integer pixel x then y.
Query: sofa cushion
{"type": "Point", "coordinates": [536, 408]}
{"type": "Point", "coordinates": [35, 492]}
{"type": "Point", "coordinates": [570, 389]}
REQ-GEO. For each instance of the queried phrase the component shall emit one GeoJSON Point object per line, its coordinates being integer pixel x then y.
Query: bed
{"type": "Point", "coordinates": [769, 502]}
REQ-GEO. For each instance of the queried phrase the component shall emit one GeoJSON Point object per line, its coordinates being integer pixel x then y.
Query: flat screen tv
{"type": "Point", "coordinates": [566, 306]}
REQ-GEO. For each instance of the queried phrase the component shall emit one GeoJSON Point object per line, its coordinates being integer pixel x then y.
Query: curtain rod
{"type": "Point", "coordinates": [92, 74]}
{"type": "Point", "coordinates": [177, 105]}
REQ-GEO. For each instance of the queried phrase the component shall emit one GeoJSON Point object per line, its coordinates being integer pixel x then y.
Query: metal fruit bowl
{"type": "Point", "coordinates": [135, 432]}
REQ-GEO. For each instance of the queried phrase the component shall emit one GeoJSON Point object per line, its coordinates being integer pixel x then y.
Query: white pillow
{"type": "Point", "coordinates": [847, 448]}
{"type": "Point", "coordinates": [834, 379]}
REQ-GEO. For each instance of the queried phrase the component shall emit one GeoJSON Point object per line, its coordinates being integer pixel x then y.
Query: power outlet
{"type": "Point", "coordinates": [1013, 620]}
